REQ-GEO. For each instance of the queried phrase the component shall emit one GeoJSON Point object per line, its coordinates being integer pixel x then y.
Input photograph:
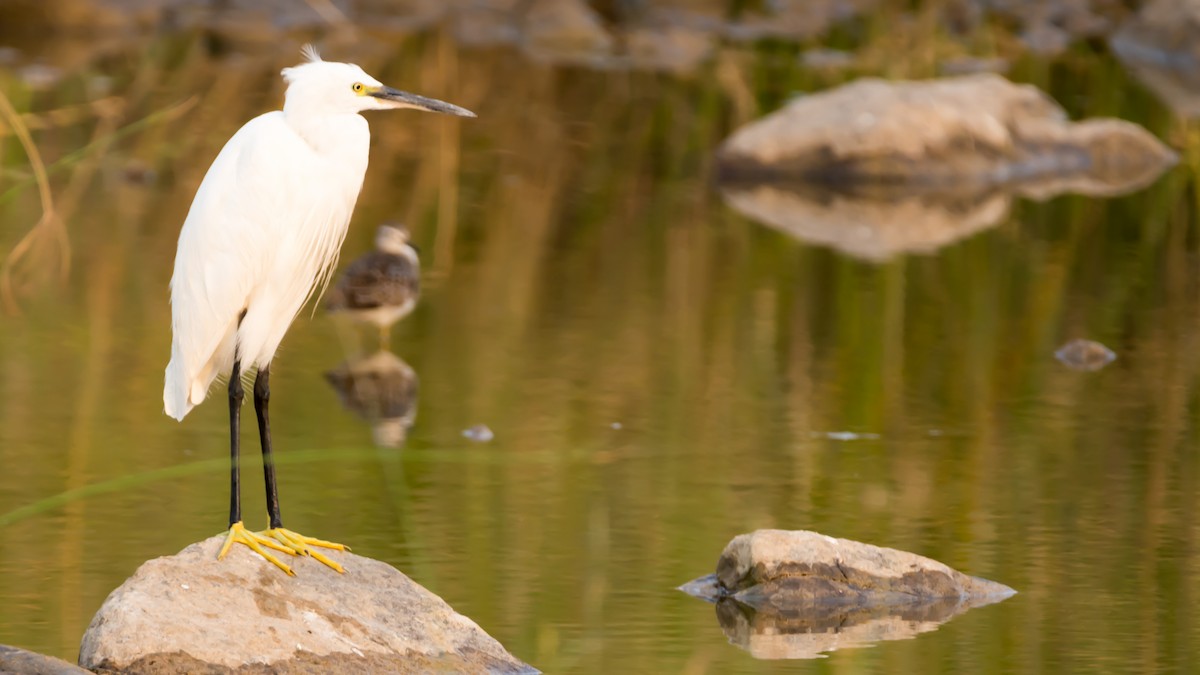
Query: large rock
{"type": "Point", "coordinates": [796, 594]}
{"type": "Point", "coordinates": [192, 613]}
{"type": "Point", "coordinates": [964, 133]}
{"type": "Point", "coordinates": [14, 661]}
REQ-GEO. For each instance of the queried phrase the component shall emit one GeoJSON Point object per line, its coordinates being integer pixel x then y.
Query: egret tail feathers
{"type": "Point", "coordinates": [181, 393]}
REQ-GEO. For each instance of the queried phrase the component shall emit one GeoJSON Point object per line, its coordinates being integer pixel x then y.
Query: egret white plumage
{"type": "Point", "coordinates": [262, 235]}
{"type": "Point", "coordinates": [380, 287]}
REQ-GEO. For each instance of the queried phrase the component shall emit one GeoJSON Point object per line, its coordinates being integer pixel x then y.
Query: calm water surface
{"type": "Point", "coordinates": [660, 371]}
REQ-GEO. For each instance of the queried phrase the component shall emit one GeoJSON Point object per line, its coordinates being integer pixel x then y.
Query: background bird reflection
{"type": "Point", "coordinates": [379, 289]}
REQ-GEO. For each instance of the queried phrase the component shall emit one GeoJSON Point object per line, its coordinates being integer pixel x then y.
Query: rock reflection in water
{"type": "Point", "coordinates": [876, 223]}
{"type": "Point", "coordinates": [381, 389]}
{"type": "Point", "coordinates": [868, 228]}
{"type": "Point", "coordinates": [811, 631]}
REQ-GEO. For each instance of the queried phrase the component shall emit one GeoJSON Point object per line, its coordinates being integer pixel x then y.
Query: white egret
{"type": "Point", "coordinates": [262, 235]}
{"type": "Point", "coordinates": [382, 286]}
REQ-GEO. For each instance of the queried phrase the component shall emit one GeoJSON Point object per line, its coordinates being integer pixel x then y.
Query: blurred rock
{"type": "Point", "coordinates": [795, 19]}
{"type": "Point", "coordinates": [1048, 27]}
{"type": "Point", "coordinates": [564, 31]}
{"type": "Point", "coordinates": [970, 66]}
{"type": "Point", "coordinates": [480, 433]}
{"type": "Point", "coordinates": [487, 23]}
{"type": "Point", "coordinates": [1085, 355]}
{"type": "Point", "coordinates": [14, 661]}
{"type": "Point", "coordinates": [381, 389]}
{"type": "Point", "coordinates": [1046, 39]}
{"type": "Point", "coordinates": [795, 594]}
{"type": "Point", "coordinates": [1161, 45]}
{"type": "Point", "coordinates": [973, 132]}
{"type": "Point", "coordinates": [193, 613]}
{"type": "Point", "coordinates": [675, 49]}
{"type": "Point", "coordinates": [827, 59]}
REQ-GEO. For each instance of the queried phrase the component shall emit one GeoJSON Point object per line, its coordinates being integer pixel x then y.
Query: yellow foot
{"type": "Point", "coordinates": [239, 534]}
{"type": "Point", "coordinates": [298, 544]}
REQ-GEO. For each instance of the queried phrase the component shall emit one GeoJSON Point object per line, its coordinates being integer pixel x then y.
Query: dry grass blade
{"type": "Point", "coordinates": [74, 114]}
{"type": "Point", "coordinates": [48, 226]}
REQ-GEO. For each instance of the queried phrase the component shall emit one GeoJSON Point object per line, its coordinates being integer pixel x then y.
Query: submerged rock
{"type": "Point", "coordinates": [1085, 355]}
{"type": "Point", "coordinates": [795, 594]}
{"type": "Point", "coordinates": [193, 613]}
{"type": "Point", "coordinates": [15, 661]}
{"type": "Point", "coordinates": [974, 132]}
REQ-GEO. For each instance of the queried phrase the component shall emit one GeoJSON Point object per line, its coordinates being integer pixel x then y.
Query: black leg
{"type": "Point", "coordinates": [235, 429]}
{"type": "Point", "coordinates": [262, 396]}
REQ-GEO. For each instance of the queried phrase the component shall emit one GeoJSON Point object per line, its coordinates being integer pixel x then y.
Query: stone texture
{"type": "Point", "coordinates": [15, 661]}
{"type": "Point", "coordinates": [971, 132]}
{"type": "Point", "coordinates": [192, 613]}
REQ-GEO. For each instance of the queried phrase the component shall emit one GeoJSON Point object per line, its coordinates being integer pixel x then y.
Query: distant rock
{"type": "Point", "coordinates": [480, 433]}
{"type": "Point", "coordinates": [564, 31]}
{"type": "Point", "coordinates": [14, 661]}
{"type": "Point", "coordinates": [193, 613]}
{"type": "Point", "coordinates": [1085, 355]}
{"type": "Point", "coordinates": [796, 594]}
{"type": "Point", "coordinates": [968, 66]}
{"type": "Point", "coordinates": [1161, 45]}
{"type": "Point", "coordinates": [974, 132]}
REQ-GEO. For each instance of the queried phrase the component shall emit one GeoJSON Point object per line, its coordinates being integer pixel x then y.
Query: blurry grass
{"type": "Point", "coordinates": [48, 227]}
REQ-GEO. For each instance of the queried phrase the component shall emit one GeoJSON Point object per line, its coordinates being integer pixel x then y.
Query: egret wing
{"type": "Point", "coordinates": [227, 247]}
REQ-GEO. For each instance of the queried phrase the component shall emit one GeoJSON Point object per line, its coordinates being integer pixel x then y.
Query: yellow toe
{"type": "Point", "coordinates": [299, 544]}
{"type": "Point", "coordinates": [256, 542]}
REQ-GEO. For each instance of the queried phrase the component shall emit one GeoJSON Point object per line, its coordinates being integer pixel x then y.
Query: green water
{"type": "Point", "coordinates": [661, 374]}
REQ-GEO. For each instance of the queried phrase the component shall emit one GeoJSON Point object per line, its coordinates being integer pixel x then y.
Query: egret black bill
{"type": "Point", "coordinates": [407, 100]}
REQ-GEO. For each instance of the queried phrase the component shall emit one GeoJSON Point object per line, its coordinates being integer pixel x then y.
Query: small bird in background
{"type": "Point", "coordinates": [382, 286]}
{"type": "Point", "coordinates": [261, 237]}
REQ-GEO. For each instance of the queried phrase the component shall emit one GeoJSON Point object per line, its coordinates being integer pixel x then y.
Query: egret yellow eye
{"type": "Point", "coordinates": [358, 87]}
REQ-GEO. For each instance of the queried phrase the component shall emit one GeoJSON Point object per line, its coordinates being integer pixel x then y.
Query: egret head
{"type": "Point", "coordinates": [329, 87]}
